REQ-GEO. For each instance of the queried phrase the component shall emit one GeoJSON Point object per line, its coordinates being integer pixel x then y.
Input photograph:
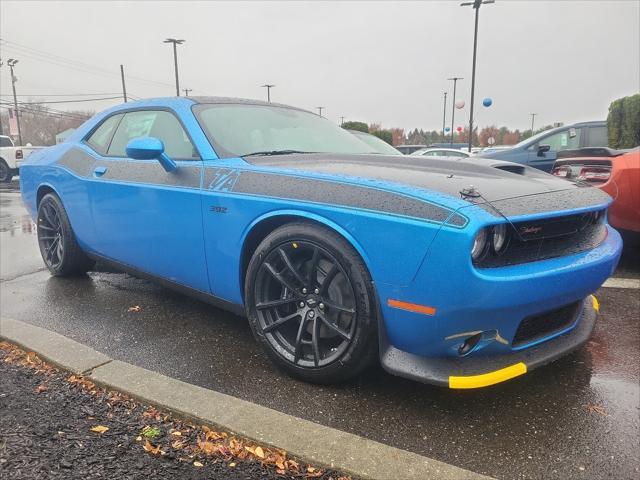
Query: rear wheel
{"type": "Point", "coordinates": [58, 246]}
{"type": "Point", "coordinates": [310, 302]}
{"type": "Point", "coordinates": [5, 172]}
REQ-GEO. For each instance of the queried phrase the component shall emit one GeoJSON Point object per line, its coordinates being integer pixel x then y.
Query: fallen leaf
{"type": "Point", "coordinates": [176, 433]}
{"type": "Point", "coordinates": [280, 471]}
{"type": "Point", "coordinates": [232, 464]}
{"type": "Point", "coordinates": [135, 308]}
{"type": "Point", "coordinates": [41, 388]}
{"type": "Point", "coordinates": [138, 438]}
{"type": "Point", "coordinates": [99, 429]}
{"type": "Point", "coordinates": [599, 409]}
{"type": "Point", "coordinates": [311, 469]}
{"type": "Point", "coordinates": [198, 464]}
{"type": "Point", "coordinates": [151, 449]}
{"type": "Point", "coordinates": [259, 452]}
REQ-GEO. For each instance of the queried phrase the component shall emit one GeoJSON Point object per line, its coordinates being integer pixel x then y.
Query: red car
{"type": "Point", "coordinates": [617, 172]}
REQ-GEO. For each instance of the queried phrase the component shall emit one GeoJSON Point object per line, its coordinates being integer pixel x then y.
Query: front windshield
{"type": "Point", "coordinates": [377, 144]}
{"type": "Point", "coordinates": [236, 130]}
{"type": "Point", "coordinates": [533, 139]}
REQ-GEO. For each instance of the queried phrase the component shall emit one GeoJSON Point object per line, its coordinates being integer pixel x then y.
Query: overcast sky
{"type": "Point", "coordinates": [384, 62]}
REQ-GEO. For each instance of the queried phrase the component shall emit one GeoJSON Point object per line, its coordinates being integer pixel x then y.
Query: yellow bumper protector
{"type": "Point", "coordinates": [596, 303]}
{"type": "Point", "coordinates": [491, 378]}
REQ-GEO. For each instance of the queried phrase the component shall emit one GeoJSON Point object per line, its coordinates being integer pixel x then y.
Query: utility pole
{"type": "Point", "coordinates": [444, 115]}
{"type": "Point", "coordinates": [533, 116]}
{"type": "Point", "coordinates": [1, 131]}
{"type": "Point", "coordinates": [124, 87]}
{"type": "Point", "coordinates": [175, 42]}
{"type": "Point", "coordinates": [453, 110]}
{"type": "Point", "coordinates": [320, 110]}
{"type": "Point", "coordinates": [186, 91]}
{"type": "Point", "coordinates": [342, 120]}
{"type": "Point", "coordinates": [476, 5]}
{"type": "Point", "coordinates": [12, 63]}
{"type": "Point", "coordinates": [268, 87]}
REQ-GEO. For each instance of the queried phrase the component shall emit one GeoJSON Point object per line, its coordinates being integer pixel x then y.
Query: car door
{"type": "Point", "coordinates": [567, 139]}
{"type": "Point", "coordinates": [144, 216]}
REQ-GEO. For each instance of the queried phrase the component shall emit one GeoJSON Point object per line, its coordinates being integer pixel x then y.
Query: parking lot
{"type": "Point", "coordinates": [576, 418]}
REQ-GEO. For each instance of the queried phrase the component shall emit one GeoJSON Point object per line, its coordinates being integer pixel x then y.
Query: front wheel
{"type": "Point", "coordinates": [58, 246]}
{"type": "Point", "coordinates": [311, 303]}
{"type": "Point", "coordinates": [5, 172]}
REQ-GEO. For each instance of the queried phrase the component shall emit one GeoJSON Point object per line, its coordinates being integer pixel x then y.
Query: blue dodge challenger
{"type": "Point", "coordinates": [456, 272]}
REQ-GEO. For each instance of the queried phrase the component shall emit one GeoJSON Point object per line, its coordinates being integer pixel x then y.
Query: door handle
{"type": "Point", "coordinates": [99, 171]}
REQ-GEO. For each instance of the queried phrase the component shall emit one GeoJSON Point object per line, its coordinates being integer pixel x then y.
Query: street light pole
{"type": "Point", "coordinates": [320, 110]}
{"type": "Point", "coordinates": [268, 87]}
{"type": "Point", "coordinates": [533, 116]}
{"type": "Point", "coordinates": [453, 110]}
{"type": "Point", "coordinates": [444, 115]}
{"type": "Point", "coordinates": [175, 42]}
{"type": "Point", "coordinates": [476, 5]}
{"type": "Point", "coordinates": [12, 63]}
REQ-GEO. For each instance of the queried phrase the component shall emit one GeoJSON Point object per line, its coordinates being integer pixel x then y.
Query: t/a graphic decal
{"type": "Point", "coordinates": [224, 179]}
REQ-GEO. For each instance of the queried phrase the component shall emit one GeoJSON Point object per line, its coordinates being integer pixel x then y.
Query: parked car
{"type": "Point", "coordinates": [409, 149]}
{"type": "Point", "coordinates": [377, 145]}
{"type": "Point", "coordinates": [441, 152]}
{"type": "Point", "coordinates": [616, 172]}
{"type": "Point", "coordinates": [11, 157]}
{"type": "Point", "coordinates": [458, 272]}
{"type": "Point", "coordinates": [541, 150]}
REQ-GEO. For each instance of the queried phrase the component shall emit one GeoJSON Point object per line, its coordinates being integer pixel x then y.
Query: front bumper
{"type": "Point", "coordinates": [475, 372]}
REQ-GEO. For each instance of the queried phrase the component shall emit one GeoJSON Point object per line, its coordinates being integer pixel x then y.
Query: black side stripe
{"type": "Point", "coordinates": [329, 193]}
{"type": "Point", "coordinates": [266, 185]}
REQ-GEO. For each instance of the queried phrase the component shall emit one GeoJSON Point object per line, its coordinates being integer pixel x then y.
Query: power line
{"type": "Point", "coordinates": [61, 94]}
{"type": "Point", "coordinates": [71, 101]}
{"type": "Point", "coordinates": [65, 62]}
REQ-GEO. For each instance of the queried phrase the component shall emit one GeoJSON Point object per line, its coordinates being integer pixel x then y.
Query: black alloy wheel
{"type": "Point", "coordinates": [304, 304]}
{"type": "Point", "coordinates": [58, 246]}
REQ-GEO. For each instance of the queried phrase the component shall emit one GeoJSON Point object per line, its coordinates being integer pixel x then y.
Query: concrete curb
{"type": "Point", "coordinates": [306, 440]}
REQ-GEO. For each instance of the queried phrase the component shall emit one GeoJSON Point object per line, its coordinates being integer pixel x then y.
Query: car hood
{"type": "Point", "coordinates": [493, 179]}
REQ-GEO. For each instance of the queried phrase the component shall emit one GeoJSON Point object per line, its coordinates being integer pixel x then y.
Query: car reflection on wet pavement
{"type": "Point", "coordinates": [575, 418]}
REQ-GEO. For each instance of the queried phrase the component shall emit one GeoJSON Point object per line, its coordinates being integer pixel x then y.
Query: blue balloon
{"type": "Point", "coordinates": [487, 102]}
{"type": "Point", "coordinates": [447, 129]}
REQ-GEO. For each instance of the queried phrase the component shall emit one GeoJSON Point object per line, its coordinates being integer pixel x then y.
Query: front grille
{"type": "Point", "coordinates": [548, 238]}
{"type": "Point", "coordinates": [544, 324]}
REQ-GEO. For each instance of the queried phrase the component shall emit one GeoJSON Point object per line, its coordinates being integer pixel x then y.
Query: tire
{"type": "Point", "coordinates": [302, 268]}
{"type": "Point", "coordinates": [58, 246]}
{"type": "Point", "coordinates": [6, 174]}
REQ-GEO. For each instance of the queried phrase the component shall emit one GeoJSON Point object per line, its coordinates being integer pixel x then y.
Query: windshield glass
{"type": "Point", "coordinates": [377, 144]}
{"type": "Point", "coordinates": [533, 139]}
{"type": "Point", "coordinates": [237, 130]}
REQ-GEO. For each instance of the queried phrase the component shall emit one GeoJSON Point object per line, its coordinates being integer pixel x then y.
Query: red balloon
{"type": "Point", "coordinates": [459, 129]}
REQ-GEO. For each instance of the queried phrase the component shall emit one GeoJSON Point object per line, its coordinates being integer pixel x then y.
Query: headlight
{"type": "Point", "coordinates": [499, 237]}
{"type": "Point", "coordinates": [479, 244]}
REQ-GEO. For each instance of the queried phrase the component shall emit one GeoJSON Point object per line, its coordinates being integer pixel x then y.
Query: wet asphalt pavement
{"type": "Point", "coordinates": [576, 418]}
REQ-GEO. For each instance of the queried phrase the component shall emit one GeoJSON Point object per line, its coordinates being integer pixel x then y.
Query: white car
{"type": "Point", "coordinates": [11, 157]}
{"type": "Point", "coordinates": [441, 152]}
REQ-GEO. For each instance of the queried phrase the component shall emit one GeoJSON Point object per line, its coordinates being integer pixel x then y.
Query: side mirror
{"type": "Point", "coordinates": [150, 148]}
{"type": "Point", "coordinates": [542, 149]}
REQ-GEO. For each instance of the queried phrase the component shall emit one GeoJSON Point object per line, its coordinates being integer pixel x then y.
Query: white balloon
{"type": "Point", "coordinates": [459, 104]}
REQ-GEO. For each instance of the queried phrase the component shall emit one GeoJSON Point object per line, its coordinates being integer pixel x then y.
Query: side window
{"type": "Point", "coordinates": [598, 137]}
{"type": "Point", "coordinates": [99, 139]}
{"type": "Point", "coordinates": [153, 123]}
{"type": "Point", "coordinates": [564, 140]}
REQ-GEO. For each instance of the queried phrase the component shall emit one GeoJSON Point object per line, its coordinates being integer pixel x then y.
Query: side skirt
{"type": "Point", "coordinates": [183, 289]}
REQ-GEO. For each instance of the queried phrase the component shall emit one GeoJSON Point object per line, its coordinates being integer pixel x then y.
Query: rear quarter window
{"type": "Point", "coordinates": [100, 138]}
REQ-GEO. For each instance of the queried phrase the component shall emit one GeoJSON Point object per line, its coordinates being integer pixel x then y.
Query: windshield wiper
{"type": "Point", "coordinates": [274, 152]}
